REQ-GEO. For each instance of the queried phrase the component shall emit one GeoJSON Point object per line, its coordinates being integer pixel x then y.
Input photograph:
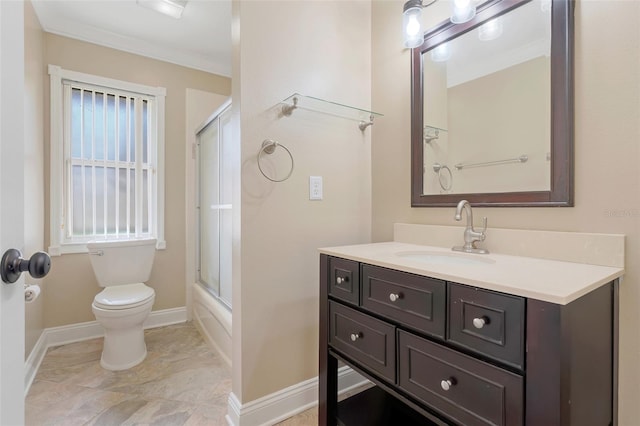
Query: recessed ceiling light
{"type": "Point", "coordinates": [173, 8]}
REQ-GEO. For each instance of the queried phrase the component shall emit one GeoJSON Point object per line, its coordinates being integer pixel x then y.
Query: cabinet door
{"type": "Point", "coordinates": [466, 390]}
{"type": "Point", "coordinates": [413, 300]}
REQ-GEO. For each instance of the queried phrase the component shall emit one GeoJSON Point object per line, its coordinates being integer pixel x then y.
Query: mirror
{"type": "Point", "coordinates": [492, 108]}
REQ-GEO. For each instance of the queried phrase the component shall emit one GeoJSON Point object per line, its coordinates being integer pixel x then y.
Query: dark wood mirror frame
{"type": "Point", "coordinates": [561, 193]}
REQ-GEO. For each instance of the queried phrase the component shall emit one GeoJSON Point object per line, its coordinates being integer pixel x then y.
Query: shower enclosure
{"type": "Point", "coordinates": [212, 299]}
{"type": "Point", "coordinates": [214, 206]}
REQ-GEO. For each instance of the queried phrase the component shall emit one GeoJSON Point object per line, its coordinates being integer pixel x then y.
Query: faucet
{"type": "Point", "coordinates": [470, 234]}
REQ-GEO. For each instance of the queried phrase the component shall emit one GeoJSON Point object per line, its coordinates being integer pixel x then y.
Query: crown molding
{"type": "Point", "coordinates": [59, 26]}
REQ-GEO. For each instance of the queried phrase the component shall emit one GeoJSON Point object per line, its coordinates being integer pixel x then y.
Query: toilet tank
{"type": "Point", "coordinates": [122, 262]}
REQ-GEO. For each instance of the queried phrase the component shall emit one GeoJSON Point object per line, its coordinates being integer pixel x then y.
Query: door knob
{"type": "Point", "coordinates": [13, 265]}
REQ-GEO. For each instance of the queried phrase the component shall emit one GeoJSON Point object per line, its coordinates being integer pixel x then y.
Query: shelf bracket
{"type": "Point", "coordinates": [364, 124]}
{"type": "Point", "coordinates": [431, 134]}
{"type": "Point", "coordinates": [288, 109]}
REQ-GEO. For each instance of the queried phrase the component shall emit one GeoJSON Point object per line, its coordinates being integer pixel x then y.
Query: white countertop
{"type": "Point", "coordinates": [548, 280]}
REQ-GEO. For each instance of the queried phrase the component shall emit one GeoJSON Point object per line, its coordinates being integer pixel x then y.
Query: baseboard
{"type": "Point", "coordinates": [56, 336]}
{"type": "Point", "coordinates": [166, 317]}
{"type": "Point", "coordinates": [33, 361]}
{"type": "Point", "coordinates": [287, 402]}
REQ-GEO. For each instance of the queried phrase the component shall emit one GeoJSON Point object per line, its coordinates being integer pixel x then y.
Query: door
{"type": "Point", "coordinates": [11, 208]}
{"type": "Point", "coordinates": [214, 198]}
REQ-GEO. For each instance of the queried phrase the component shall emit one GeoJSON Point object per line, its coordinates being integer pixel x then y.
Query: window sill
{"type": "Point", "coordinates": [79, 248]}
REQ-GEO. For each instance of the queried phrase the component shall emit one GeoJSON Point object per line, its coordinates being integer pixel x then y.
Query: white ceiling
{"type": "Point", "coordinates": [201, 39]}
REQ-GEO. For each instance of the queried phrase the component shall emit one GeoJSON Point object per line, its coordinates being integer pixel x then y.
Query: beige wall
{"type": "Point", "coordinates": [607, 176]}
{"type": "Point", "coordinates": [314, 48]}
{"type": "Point", "coordinates": [71, 284]}
{"type": "Point", "coordinates": [436, 115]}
{"type": "Point", "coordinates": [436, 110]}
{"type": "Point", "coordinates": [34, 181]}
{"type": "Point", "coordinates": [486, 124]}
{"type": "Point", "coordinates": [482, 124]}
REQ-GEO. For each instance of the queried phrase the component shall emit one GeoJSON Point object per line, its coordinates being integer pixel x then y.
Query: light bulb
{"type": "Point", "coordinates": [412, 28]}
{"type": "Point", "coordinates": [463, 11]}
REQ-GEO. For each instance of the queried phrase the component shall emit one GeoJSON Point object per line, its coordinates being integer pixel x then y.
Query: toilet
{"type": "Point", "coordinates": [122, 268]}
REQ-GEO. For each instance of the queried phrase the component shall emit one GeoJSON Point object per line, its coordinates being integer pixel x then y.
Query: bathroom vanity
{"type": "Point", "coordinates": [465, 339]}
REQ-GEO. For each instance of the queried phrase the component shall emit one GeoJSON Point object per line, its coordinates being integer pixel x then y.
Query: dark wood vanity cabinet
{"type": "Point", "coordinates": [443, 353]}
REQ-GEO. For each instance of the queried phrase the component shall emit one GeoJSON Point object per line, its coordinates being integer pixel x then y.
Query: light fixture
{"type": "Point", "coordinates": [172, 8]}
{"type": "Point", "coordinates": [490, 30]}
{"type": "Point", "coordinates": [412, 23]}
{"type": "Point", "coordinates": [463, 11]}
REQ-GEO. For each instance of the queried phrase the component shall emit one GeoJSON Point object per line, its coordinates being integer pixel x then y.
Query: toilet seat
{"type": "Point", "coordinates": [121, 297]}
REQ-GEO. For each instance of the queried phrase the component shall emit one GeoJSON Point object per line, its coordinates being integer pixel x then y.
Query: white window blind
{"type": "Point", "coordinates": [106, 164]}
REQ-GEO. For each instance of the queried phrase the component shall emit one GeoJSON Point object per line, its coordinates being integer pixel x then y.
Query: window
{"type": "Point", "coordinates": [107, 145]}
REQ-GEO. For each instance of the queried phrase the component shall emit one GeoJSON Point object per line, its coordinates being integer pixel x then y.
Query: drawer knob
{"type": "Point", "coordinates": [341, 280]}
{"type": "Point", "coordinates": [355, 336]}
{"type": "Point", "coordinates": [447, 384]}
{"type": "Point", "coordinates": [480, 322]}
{"type": "Point", "coordinates": [395, 296]}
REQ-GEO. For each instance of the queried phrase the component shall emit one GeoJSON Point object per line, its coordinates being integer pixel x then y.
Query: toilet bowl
{"type": "Point", "coordinates": [122, 267]}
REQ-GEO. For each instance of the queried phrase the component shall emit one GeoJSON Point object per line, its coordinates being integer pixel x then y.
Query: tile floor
{"type": "Point", "coordinates": [181, 382]}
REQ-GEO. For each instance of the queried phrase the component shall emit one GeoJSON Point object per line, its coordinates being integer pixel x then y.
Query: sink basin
{"type": "Point", "coordinates": [443, 258]}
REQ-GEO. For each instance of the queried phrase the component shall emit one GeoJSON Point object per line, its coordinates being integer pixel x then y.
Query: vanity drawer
{"type": "Point", "coordinates": [364, 339]}
{"type": "Point", "coordinates": [413, 300]}
{"type": "Point", "coordinates": [344, 279]}
{"type": "Point", "coordinates": [468, 391]}
{"type": "Point", "coordinates": [487, 322]}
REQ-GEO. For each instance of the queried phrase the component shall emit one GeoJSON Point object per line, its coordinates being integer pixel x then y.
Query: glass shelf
{"type": "Point", "coordinates": [298, 101]}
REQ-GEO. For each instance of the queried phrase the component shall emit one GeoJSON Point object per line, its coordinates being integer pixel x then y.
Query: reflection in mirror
{"type": "Point", "coordinates": [492, 111]}
{"type": "Point", "coordinates": [487, 107]}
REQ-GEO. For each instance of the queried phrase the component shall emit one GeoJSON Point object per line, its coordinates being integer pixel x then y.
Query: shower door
{"type": "Point", "coordinates": [214, 206]}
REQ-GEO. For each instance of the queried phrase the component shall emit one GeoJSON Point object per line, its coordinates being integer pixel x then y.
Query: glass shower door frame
{"type": "Point", "coordinates": [214, 272]}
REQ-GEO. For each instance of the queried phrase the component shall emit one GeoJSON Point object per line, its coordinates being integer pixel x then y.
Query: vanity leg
{"type": "Point", "coordinates": [328, 398]}
{"type": "Point", "coordinates": [328, 365]}
{"type": "Point", "coordinates": [616, 342]}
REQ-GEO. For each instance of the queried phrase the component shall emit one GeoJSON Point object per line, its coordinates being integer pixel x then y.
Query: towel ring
{"type": "Point", "coordinates": [269, 147]}
{"type": "Point", "coordinates": [445, 177]}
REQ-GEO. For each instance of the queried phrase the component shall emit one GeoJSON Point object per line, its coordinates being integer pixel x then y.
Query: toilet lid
{"type": "Point", "coordinates": [123, 296]}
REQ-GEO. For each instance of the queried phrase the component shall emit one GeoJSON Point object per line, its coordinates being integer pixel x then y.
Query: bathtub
{"type": "Point", "coordinates": [213, 320]}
